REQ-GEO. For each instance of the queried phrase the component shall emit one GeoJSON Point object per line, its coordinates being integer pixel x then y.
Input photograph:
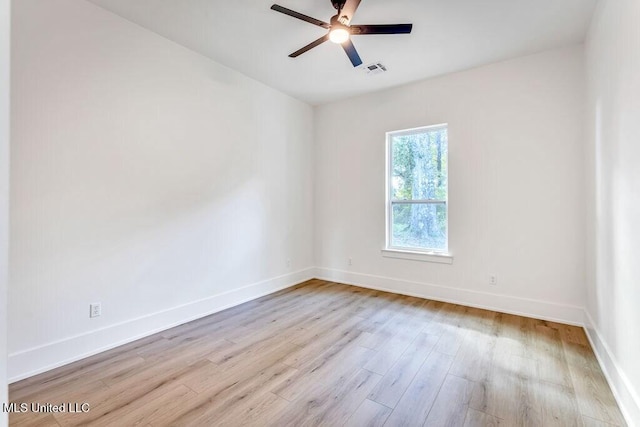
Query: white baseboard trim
{"type": "Point", "coordinates": [27, 363]}
{"type": "Point", "coordinates": [627, 397]}
{"type": "Point", "coordinates": [537, 309]}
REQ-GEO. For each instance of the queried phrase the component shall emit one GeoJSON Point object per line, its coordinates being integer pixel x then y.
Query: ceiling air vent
{"type": "Point", "coordinates": [375, 68]}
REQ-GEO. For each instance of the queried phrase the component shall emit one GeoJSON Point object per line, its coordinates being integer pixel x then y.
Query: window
{"type": "Point", "coordinates": [417, 165]}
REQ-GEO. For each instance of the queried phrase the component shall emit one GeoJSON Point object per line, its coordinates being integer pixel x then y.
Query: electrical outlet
{"type": "Point", "coordinates": [350, 261]}
{"type": "Point", "coordinates": [493, 280]}
{"type": "Point", "coordinates": [95, 310]}
{"type": "Point", "coordinates": [288, 262]}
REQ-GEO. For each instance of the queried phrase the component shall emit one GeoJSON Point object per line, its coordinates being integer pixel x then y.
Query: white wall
{"type": "Point", "coordinates": [145, 177]}
{"type": "Point", "coordinates": [4, 196]}
{"type": "Point", "coordinates": [516, 191]}
{"type": "Point", "coordinates": [613, 173]}
{"type": "Point", "coordinates": [166, 186]}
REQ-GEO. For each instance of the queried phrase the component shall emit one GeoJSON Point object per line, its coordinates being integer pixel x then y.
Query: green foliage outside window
{"type": "Point", "coordinates": [419, 173]}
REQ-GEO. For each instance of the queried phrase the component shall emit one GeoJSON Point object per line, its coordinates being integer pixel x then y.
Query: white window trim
{"type": "Point", "coordinates": [414, 254]}
{"type": "Point", "coordinates": [437, 257]}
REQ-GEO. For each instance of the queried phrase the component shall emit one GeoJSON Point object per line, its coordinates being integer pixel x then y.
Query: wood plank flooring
{"type": "Point", "coordinates": [328, 354]}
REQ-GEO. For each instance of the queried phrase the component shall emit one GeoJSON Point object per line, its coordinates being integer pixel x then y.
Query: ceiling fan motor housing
{"type": "Point", "coordinates": [338, 4]}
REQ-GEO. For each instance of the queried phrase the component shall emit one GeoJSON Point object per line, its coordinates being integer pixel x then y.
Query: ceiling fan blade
{"type": "Point", "coordinates": [349, 9]}
{"type": "Point", "coordinates": [295, 14]}
{"type": "Point", "coordinates": [310, 46]}
{"type": "Point", "coordinates": [381, 29]}
{"type": "Point", "coordinates": [352, 53]}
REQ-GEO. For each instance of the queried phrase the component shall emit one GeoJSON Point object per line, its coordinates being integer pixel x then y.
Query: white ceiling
{"type": "Point", "coordinates": [448, 36]}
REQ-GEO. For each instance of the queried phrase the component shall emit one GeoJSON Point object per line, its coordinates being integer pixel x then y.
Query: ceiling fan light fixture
{"type": "Point", "coordinates": [339, 35]}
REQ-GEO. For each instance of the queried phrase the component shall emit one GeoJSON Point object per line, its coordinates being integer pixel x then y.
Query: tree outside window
{"type": "Point", "coordinates": [417, 193]}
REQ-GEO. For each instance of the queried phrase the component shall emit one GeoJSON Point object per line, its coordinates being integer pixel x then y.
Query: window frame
{"type": "Point", "coordinates": [420, 254]}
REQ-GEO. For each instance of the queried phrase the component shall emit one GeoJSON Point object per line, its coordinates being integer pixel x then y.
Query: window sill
{"type": "Point", "coordinates": [440, 258]}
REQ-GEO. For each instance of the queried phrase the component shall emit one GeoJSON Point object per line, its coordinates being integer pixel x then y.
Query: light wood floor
{"type": "Point", "coordinates": [329, 354]}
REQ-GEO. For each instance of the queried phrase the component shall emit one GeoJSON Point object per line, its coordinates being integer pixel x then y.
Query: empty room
{"type": "Point", "coordinates": [320, 213]}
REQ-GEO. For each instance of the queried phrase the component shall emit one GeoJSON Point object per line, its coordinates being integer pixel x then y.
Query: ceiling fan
{"type": "Point", "coordinates": [341, 30]}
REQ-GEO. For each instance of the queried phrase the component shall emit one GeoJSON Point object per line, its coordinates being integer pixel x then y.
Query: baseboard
{"type": "Point", "coordinates": [536, 309]}
{"type": "Point", "coordinates": [627, 397]}
{"type": "Point", "coordinates": [27, 363]}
